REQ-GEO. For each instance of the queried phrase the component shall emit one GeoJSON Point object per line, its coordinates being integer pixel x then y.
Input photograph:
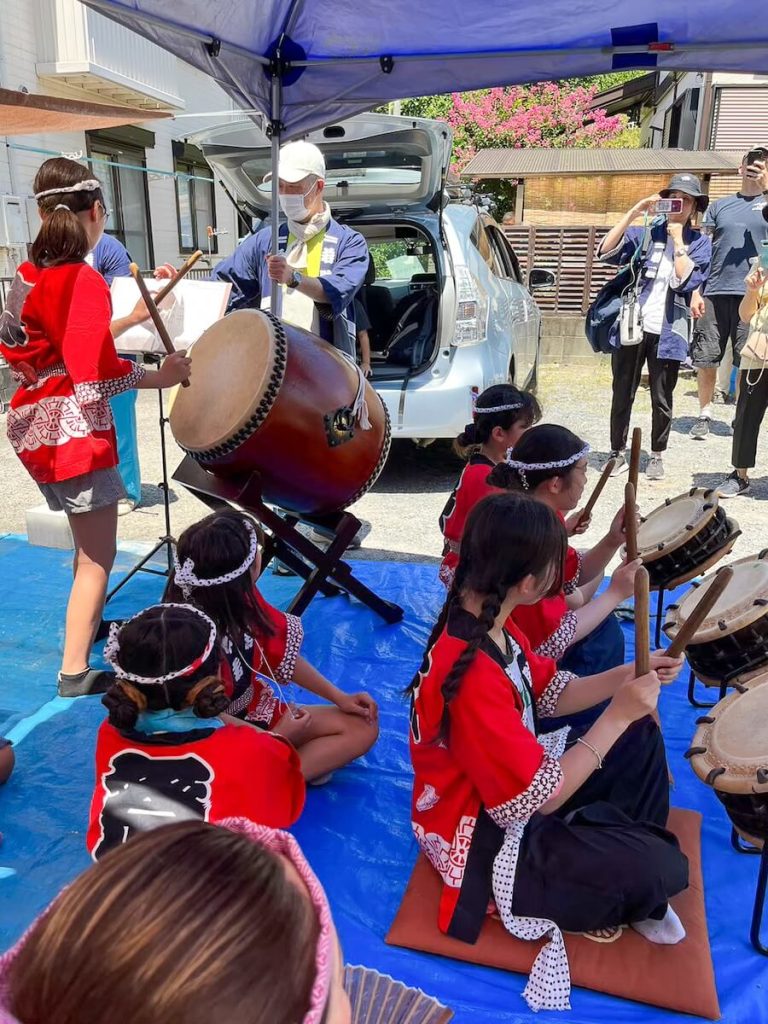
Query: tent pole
{"type": "Point", "coordinates": [275, 128]}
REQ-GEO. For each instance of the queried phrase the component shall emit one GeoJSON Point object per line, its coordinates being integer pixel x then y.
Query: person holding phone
{"type": "Point", "coordinates": [671, 258]}
{"type": "Point", "coordinates": [737, 227]}
{"type": "Point", "coordinates": [753, 376]}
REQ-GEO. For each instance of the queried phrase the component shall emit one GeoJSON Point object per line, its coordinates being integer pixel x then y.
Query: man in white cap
{"type": "Point", "coordinates": [321, 266]}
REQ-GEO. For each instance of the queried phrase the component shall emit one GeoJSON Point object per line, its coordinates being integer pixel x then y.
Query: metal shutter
{"type": "Point", "coordinates": [740, 117]}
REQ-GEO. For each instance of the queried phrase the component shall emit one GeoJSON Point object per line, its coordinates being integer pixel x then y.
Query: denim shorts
{"type": "Point", "coordinates": [85, 493]}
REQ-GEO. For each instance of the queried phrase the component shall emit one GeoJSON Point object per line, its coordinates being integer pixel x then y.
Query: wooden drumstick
{"type": "Point", "coordinates": [597, 491]}
{"type": "Point", "coordinates": [702, 609]}
{"type": "Point", "coordinates": [630, 521]}
{"type": "Point", "coordinates": [642, 622]}
{"type": "Point", "coordinates": [634, 456]}
{"type": "Point", "coordinates": [154, 313]}
{"type": "Point", "coordinates": [182, 272]}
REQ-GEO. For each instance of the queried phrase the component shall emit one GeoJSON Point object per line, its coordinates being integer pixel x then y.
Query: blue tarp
{"type": "Point", "coordinates": [356, 830]}
{"type": "Point", "coordinates": [340, 57]}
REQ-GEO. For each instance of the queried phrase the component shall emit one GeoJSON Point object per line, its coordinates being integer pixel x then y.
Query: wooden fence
{"type": "Point", "coordinates": [569, 252]}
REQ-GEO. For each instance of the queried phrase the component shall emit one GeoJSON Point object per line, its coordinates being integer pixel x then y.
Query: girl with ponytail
{"type": "Point", "coordinates": [501, 416]}
{"type": "Point", "coordinates": [572, 625]}
{"type": "Point", "coordinates": [165, 754]}
{"type": "Point", "coordinates": [57, 334]}
{"type": "Point", "coordinates": [558, 832]}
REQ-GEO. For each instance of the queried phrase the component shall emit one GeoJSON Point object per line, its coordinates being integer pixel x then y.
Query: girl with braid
{"type": "Point", "coordinates": [166, 754]}
{"type": "Point", "coordinates": [557, 835]}
{"type": "Point", "coordinates": [500, 418]}
{"type": "Point", "coordinates": [572, 625]}
{"type": "Point", "coordinates": [218, 562]}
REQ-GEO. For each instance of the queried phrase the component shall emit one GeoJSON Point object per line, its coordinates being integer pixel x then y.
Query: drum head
{"type": "Point", "coordinates": [234, 363]}
{"type": "Point", "coordinates": [740, 604]}
{"type": "Point", "coordinates": [673, 523]}
{"type": "Point", "coordinates": [730, 747]}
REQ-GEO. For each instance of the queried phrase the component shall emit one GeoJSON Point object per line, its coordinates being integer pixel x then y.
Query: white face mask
{"type": "Point", "coordinates": [293, 206]}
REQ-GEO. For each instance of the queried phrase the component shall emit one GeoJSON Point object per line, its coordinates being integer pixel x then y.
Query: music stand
{"type": "Point", "coordinates": [166, 541]}
{"type": "Point", "coordinates": [323, 571]}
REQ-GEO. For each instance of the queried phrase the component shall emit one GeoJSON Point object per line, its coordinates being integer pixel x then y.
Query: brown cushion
{"type": "Point", "coordinates": [677, 977]}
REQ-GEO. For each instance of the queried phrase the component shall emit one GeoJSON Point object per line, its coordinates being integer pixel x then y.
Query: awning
{"type": "Point", "coordinates": [330, 59]}
{"type": "Point", "coordinates": [533, 162]}
{"type": "Point", "coordinates": [27, 113]}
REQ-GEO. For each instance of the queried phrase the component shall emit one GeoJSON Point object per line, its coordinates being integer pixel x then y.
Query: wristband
{"type": "Point", "coordinates": [594, 750]}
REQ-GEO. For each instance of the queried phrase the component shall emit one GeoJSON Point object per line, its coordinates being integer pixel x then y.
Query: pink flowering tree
{"type": "Point", "coordinates": [547, 114]}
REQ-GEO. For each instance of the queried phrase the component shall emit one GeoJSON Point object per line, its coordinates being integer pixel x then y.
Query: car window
{"type": "Point", "coordinates": [400, 260]}
{"type": "Point", "coordinates": [505, 263]}
{"type": "Point", "coordinates": [479, 239]}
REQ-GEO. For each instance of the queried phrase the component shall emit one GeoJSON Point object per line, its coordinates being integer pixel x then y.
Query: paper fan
{"type": "Point", "coordinates": [378, 999]}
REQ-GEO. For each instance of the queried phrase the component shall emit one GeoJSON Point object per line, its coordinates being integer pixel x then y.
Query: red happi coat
{"type": "Point", "coordinates": [233, 771]}
{"type": "Point", "coordinates": [247, 666]}
{"type": "Point", "coordinates": [472, 487]}
{"type": "Point", "coordinates": [55, 334]}
{"type": "Point", "coordinates": [490, 771]}
{"type": "Point", "coordinates": [549, 625]}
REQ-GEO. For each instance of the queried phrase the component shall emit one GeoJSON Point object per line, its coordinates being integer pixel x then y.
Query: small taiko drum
{"type": "Point", "coordinates": [733, 640]}
{"type": "Point", "coordinates": [729, 752]}
{"type": "Point", "coordinates": [684, 537]}
{"type": "Point", "coordinates": [269, 397]}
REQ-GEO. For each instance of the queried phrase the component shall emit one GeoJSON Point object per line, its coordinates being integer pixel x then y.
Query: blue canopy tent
{"type": "Point", "coordinates": [307, 63]}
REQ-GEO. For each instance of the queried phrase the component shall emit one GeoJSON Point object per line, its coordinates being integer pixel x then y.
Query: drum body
{"type": "Point", "coordinates": [684, 536]}
{"type": "Point", "coordinates": [268, 397]}
{"type": "Point", "coordinates": [733, 640]}
{"type": "Point", "coordinates": [730, 753]}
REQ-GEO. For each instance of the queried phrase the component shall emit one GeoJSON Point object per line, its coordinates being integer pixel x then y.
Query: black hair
{"type": "Point", "coordinates": [507, 537]}
{"type": "Point", "coordinates": [481, 428]}
{"type": "Point", "coordinates": [546, 442]}
{"type": "Point", "coordinates": [163, 639]}
{"type": "Point", "coordinates": [217, 545]}
{"type": "Point", "coordinates": [62, 238]}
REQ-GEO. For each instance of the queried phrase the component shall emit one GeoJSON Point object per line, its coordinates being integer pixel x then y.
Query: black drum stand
{"type": "Point", "coordinates": [760, 891]}
{"type": "Point", "coordinates": [323, 571]}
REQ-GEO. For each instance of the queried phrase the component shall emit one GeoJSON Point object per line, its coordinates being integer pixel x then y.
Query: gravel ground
{"type": "Point", "coordinates": [405, 503]}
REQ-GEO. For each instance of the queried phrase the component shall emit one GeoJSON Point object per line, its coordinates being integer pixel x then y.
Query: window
{"type": "Point", "coordinates": [400, 260]}
{"type": "Point", "coordinates": [680, 121]}
{"type": "Point", "coordinates": [505, 263]}
{"type": "Point", "coordinates": [121, 167]}
{"type": "Point", "coordinates": [195, 202]}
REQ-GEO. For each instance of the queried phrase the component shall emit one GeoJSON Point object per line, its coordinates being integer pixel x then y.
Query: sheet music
{"type": "Point", "coordinates": [190, 309]}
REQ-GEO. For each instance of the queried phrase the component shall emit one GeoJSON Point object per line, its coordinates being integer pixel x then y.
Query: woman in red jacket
{"type": "Point", "coordinates": [57, 334]}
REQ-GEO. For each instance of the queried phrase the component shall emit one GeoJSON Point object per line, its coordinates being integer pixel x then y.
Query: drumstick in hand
{"type": "Point", "coordinates": [607, 468]}
{"type": "Point", "coordinates": [642, 622]}
{"type": "Point", "coordinates": [630, 521]}
{"type": "Point", "coordinates": [182, 272]}
{"type": "Point", "coordinates": [634, 456]}
{"type": "Point", "coordinates": [154, 313]}
{"type": "Point", "coordinates": [701, 610]}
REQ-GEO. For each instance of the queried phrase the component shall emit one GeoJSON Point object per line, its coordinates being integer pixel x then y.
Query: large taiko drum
{"type": "Point", "coordinates": [733, 640]}
{"type": "Point", "coordinates": [269, 397]}
{"type": "Point", "coordinates": [684, 537]}
{"type": "Point", "coordinates": [730, 753]}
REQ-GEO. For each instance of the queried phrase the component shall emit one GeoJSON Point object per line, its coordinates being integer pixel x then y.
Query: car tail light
{"type": "Point", "coordinates": [471, 312]}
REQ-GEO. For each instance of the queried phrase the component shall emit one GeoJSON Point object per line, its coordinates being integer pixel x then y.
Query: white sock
{"type": "Point", "coordinates": [666, 932]}
{"type": "Point", "coordinates": [706, 412]}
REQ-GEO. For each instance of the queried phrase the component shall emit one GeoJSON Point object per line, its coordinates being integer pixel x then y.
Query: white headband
{"type": "Point", "coordinates": [481, 410]}
{"type": "Point", "coordinates": [89, 185]}
{"type": "Point", "coordinates": [531, 467]}
{"type": "Point", "coordinates": [185, 577]}
{"type": "Point", "coordinates": [112, 648]}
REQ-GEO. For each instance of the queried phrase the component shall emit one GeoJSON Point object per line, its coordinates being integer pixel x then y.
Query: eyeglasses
{"type": "Point", "coordinates": [106, 213]}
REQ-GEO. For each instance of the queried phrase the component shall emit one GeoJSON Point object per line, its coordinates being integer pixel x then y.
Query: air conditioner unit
{"type": "Point", "coordinates": [14, 225]}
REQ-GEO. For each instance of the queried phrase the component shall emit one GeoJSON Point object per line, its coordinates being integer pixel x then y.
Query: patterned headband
{"type": "Point", "coordinates": [278, 842]}
{"type": "Point", "coordinates": [480, 410]}
{"type": "Point", "coordinates": [89, 185]}
{"type": "Point", "coordinates": [112, 649]}
{"type": "Point", "coordinates": [531, 467]}
{"type": "Point", "coordinates": [185, 577]}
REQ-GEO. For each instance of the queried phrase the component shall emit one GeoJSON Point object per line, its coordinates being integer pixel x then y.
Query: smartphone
{"type": "Point", "coordinates": [669, 206]}
{"type": "Point", "coordinates": [753, 156]}
{"type": "Point", "coordinates": [763, 255]}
